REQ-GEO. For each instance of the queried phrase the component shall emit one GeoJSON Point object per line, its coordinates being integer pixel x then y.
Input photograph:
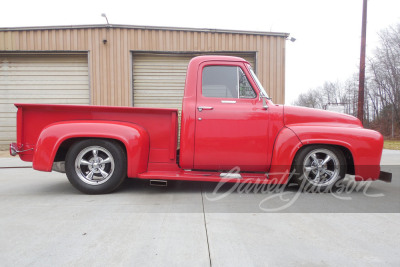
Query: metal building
{"type": "Point", "coordinates": [120, 65]}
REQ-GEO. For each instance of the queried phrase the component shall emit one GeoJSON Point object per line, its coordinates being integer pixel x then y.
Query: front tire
{"type": "Point", "coordinates": [96, 166]}
{"type": "Point", "coordinates": [319, 168]}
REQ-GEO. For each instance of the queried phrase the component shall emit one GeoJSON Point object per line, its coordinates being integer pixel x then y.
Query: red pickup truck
{"type": "Point", "coordinates": [228, 122]}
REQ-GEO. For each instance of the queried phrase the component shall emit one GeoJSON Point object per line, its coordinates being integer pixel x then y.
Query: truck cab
{"type": "Point", "coordinates": [225, 119]}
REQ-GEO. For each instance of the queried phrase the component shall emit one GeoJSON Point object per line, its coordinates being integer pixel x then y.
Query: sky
{"type": "Point", "coordinates": [327, 32]}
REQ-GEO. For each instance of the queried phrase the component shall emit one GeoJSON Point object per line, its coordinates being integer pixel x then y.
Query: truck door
{"type": "Point", "coordinates": [231, 123]}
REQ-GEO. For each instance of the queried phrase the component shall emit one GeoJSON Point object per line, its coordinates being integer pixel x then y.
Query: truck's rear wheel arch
{"type": "Point", "coordinates": [66, 145]}
{"type": "Point", "coordinates": [55, 140]}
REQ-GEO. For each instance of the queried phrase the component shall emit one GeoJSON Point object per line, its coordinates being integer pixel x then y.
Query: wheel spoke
{"type": "Point", "coordinates": [90, 175]}
{"type": "Point", "coordinates": [314, 157]}
{"type": "Point", "coordinates": [317, 178]}
{"type": "Point", "coordinates": [328, 158]}
{"type": "Point", "coordinates": [107, 160]}
{"type": "Point", "coordinates": [103, 173]}
{"type": "Point", "coordinates": [94, 151]}
{"type": "Point", "coordinates": [308, 170]}
{"type": "Point", "coordinates": [84, 162]}
{"type": "Point", "coordinates": [330, 173]}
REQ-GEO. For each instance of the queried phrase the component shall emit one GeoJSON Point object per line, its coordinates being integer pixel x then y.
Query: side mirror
{"type": "Point", "coordinates": [265, 106]}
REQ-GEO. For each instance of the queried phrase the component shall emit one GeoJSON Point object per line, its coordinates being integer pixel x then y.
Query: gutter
{"type": "Point", "coordinates": [137, 27]}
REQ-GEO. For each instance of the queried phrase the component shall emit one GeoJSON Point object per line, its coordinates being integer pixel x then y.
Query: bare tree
{"type": "Point", "coordinates": [382, 92]}
{"type": "Point", "coordinates": [351, 94]}
{"type": "Point", "coordinates": [331, 92]}
{"type": "Point", "coordinates": [384, 69]}
{"type": "Point", "coordinates": [312, 99]}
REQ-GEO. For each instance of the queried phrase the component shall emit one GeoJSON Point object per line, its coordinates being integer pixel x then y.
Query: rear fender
{"type": "Point", "coordinates": [134, 137]}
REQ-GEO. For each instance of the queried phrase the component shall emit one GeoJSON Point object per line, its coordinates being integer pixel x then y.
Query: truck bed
{"type": "Point", "coordinates": [161, 125]}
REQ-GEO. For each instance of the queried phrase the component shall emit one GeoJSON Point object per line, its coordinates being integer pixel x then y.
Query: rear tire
{"type": "Point", "coordinates": [319, 168]}
{"type": "Point", "coordinates": [96, 166]}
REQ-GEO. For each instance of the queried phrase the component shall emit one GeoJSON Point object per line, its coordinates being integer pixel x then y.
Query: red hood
{"type": "Point", "coordinates": [301, 115]}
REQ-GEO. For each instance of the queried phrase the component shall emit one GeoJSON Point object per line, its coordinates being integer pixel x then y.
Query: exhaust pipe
{"type": "Point", "coordinates": [158, 183]}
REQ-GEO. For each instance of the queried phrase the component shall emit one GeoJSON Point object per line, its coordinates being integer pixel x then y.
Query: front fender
{"type": "Point", "coordinates": [365, 145]}
{"type": "Point", "coordinates": [285, 148]}
{"type": "Point", "coordinates": [134, 137]}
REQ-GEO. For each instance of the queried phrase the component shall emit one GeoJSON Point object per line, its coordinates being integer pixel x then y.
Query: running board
{"type": "Point", "coordinates": [207, 176]}
{"type": "Point", "coordinates": [230, 175]}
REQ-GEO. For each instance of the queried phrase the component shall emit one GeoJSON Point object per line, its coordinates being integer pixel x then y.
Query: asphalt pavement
{"type": "Point", "coordinates": [44, 221]}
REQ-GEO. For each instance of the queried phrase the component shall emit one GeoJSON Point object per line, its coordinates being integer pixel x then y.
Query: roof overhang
{"type": "Point", "coordinates": [162, 28]}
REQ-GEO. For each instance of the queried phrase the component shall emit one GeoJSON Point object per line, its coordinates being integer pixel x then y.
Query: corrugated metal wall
{"type": "Point", "coordinates": [49, 79]}
{"type": "Point", "coordinates": [110, 65]}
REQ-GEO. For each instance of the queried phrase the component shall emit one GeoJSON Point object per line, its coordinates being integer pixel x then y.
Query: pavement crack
{"type": "Point", "coordinates": [205, 224]}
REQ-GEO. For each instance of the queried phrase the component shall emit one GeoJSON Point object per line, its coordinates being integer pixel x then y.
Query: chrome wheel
{"type": "Point", "coordinates": [94, 165]}
{"type": "Point", "coordinates": [321, 167]}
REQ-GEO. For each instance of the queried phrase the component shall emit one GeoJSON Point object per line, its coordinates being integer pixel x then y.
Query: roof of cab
{"type": "Point", "coordinates": [200, 59]}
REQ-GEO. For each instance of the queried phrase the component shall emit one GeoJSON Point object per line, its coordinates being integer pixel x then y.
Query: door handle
{"type": "Point", "coordinates": [205, 108]}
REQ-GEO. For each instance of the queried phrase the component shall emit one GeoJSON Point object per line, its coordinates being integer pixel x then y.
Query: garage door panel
{"type": "Point", "coordinates": [163, 90]}
{"type": "Point", "coordinates": [39, 59]}
{"type": "Point", "coordinates": [39, 82]}
{"type": "Point", "coordinates": [161, 82]}
{"type": "Point", "coordinates": [7, 114]}
{"type": "Point", "coordinates": [165, 73]}
{"type": "Point", "coordinates": [5, 136]}
{"type": "Point", "coordinates": [10, 92]}
{"type": "Point", "coordinates": [50, 76]}
{"type": "Point", "coordinates": [42, 98]}
{"type": "Point", "coordinates": [45, 79]}
{"type": "Point", "coordinates": [43, 67]}
{"type": "Point", "coordinates": [48, 100]}
{"type": "Point", "coordinates": [50, 73]}
{"type": "Point", "coordinates": [9, 127]}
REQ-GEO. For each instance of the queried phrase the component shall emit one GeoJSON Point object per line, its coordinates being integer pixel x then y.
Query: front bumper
{"type": "Point", "coordinates": [385, 176]}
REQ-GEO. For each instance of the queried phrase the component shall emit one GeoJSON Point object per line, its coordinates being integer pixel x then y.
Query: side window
{"type": "Point", "coordinates": [226, 82]}
{"type": "Point", "coordinates": [245, 89]}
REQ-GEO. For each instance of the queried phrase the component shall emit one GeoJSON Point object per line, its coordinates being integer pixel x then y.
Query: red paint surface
{"type": "Point", "coordinates": [242, 134]}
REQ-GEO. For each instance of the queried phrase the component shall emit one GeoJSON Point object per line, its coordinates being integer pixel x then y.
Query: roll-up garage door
{"type": "Point", "coordinates": [159, 79]}
{"type": "Point", "coordinates": [46, 79]}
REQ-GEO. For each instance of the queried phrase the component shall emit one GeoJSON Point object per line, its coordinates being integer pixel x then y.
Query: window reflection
{"type": "Point", "coordinates": [226, 82]}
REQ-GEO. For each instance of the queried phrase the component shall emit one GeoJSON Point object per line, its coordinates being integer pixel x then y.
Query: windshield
{"type": "Point", "coordinates": [262, 90]}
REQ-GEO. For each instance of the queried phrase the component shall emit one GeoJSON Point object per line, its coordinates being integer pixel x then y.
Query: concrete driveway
{"type": "Point", "coordinates": [44, 221]}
